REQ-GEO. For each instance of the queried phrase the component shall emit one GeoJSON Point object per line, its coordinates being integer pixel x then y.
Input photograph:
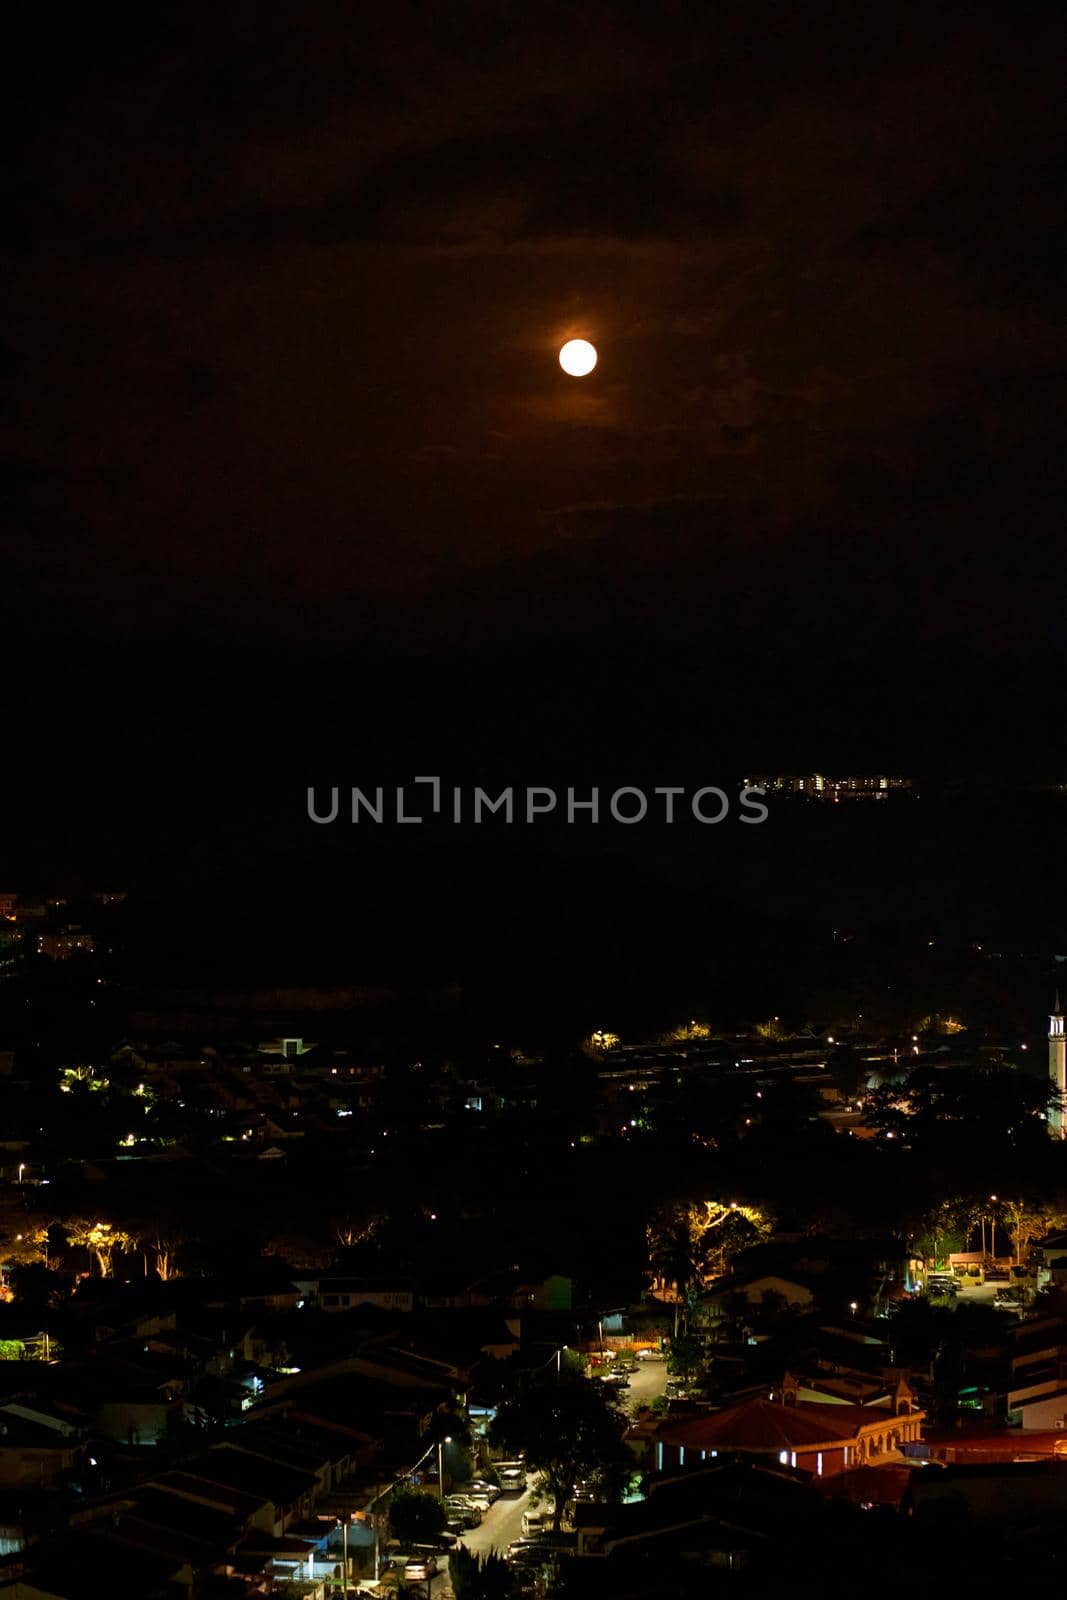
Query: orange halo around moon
{"type": "Point", "coordinates": [578, 358]}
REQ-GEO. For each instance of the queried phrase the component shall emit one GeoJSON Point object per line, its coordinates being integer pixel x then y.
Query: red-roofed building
{"type": "Point", "coordinates": [822, 1438]}
{"type": "Point", "coordinates": [977, 1447]}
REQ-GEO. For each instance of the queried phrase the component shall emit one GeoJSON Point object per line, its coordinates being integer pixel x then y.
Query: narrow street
{"type": "Point", "coordinates": [502, 1523]}
{"type": "Point", "coordinates": [646, 1384]}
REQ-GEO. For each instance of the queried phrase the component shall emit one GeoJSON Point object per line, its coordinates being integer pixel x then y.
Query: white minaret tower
{"type": "Point", "coordinates": [1057, 1069]}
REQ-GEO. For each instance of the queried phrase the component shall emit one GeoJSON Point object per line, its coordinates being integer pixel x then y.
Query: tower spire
{"type": "Point", "coordinates": [1057, 1071]}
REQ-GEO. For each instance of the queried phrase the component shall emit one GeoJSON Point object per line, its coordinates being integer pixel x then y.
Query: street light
{"type": "Point", "coordinates": [441, 1464]}
{"type": "Point", "coordinates": [853, 1306]}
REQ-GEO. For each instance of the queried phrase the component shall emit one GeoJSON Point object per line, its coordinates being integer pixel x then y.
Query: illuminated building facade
{"type": "Point", "coordinates": [1057, 1069]}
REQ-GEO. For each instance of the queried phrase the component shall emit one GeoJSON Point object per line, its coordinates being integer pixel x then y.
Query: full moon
{"type": "Point", "coordinates": [577, 358]}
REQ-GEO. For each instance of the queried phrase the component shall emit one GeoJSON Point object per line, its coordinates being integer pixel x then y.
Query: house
{"type": "Point", "coordinates": [1051, 1259]}
{"type": "Point", "coordinates": [343, 1294]}
{"type": "Point", "coordinates": [288, 1491]}
{"type": "Point", "coordinates": [523, 1291]}
{"type": "Point", "coordinates": [395, 1417]}
{"type": "Point", "coordinates": [717, 1308]}
{"type": "Point", "coordinates": [138, 1415]}
{"type": "Point", "coordinates": [460, 1339]}
{"type": "Point", "coordinates": [716, 1517]}
{"type": "Point", "coordinates": [249, 1509]}
{"type": "Point", "coordinates": [329, 1451]}
{"type": "Point", "coordinates": [70, 1569]}
{"type": "Point", "coordinates": [554, 1292]}
{"type": "Point", "coordinates": [38, 1449]}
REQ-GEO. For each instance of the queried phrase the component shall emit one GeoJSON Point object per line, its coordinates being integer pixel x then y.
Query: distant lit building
{"type": "Point", "coordinates": [61, 946]}
{"type": "Point", "coordinates": [815, 785]}
{"type": "Point", "coordinates": [10, 951]}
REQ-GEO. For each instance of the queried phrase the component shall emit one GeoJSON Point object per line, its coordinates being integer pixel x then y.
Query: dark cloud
{"type": "Point", "coordinates": [282, 323]}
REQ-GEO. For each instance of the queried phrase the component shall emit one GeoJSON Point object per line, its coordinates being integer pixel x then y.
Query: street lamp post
{"type": "Point", "coordinates": [375, 1526]}
{"type": "Point", "coordinates": [441, 1464]}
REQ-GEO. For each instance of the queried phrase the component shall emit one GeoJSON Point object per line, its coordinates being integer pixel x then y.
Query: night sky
{"type": "Point", "coordinates": [294, 482]}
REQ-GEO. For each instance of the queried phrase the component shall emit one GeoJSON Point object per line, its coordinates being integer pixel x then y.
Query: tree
{"type": "Point", "coordinates": [1029, 1220]}
{"type": "Point", "coordinates": [942, 1228]}
{"type": "Point", "coordinates": [36, 1289]}
{"type": "Point", "coordinates": [773, 1028]}
{"type": "Point", "coordinates": [352, 1229]}
{"type": "Point", "coordinates": [685, 1356]}
{"type": "Point", "coordinates": [674, 1256]}
{"type": "Point", "coordinates": [568, 1430]}
{"type": "Point", "coordinates": [692, 1244]}
{"type": "Point", "coordinates": [166, 1254]}
{"type": "Point", "coordinates": [23, 1243]}
{"type": "Point", "coordinates": [101, 1239]}
{"type": "Point", "coordinates": [415, 1517]}
{"type": "Point", "coordinates": [975, 1109]}
{"type": "Point", "coordinates": [475, 1577]}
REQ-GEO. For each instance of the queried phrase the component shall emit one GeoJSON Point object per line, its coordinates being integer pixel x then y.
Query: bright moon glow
{"type": "Point", "coordinates": [577, 358]}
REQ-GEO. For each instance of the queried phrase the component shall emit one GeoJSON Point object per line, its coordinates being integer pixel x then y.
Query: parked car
{"type": "Point", "coordinates": [512, 1479]}
{"type": "Point", "coordinates": [463, 1512]}
{"type": "Point", "coordinates": [523, 1554]}
{"type": "Point", "coordinates": [491, 1491]}
{"type": "Point", "coordinates": [532, 1523]}
{"type": "Point", "coordinates": [420, 1568]}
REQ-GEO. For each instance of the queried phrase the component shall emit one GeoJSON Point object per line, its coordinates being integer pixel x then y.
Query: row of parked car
{"type": "Point", "coordinates": [1006, 1296]}
{"type": "Point", "coordinates": [465, 1511]}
